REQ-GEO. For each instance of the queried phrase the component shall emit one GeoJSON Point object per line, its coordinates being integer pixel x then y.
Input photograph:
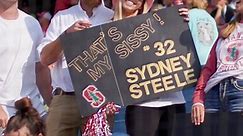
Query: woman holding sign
{"type": "Point", "coordinates": [153, 117]}
{"type": "Point", "coordinates": [220, 86]}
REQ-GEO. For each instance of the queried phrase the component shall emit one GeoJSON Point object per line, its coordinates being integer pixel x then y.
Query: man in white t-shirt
{"type": "Point", "coordinates": [64, 116]}
{"type": "Point", "coordinates": [19, 36]}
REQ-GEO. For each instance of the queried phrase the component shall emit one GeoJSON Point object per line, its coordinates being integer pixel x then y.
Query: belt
{"type": "Point", "coordinates": [59, 91]}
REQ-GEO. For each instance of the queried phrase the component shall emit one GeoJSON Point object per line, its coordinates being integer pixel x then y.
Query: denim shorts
{"type": "Point", "coordinates": [226, 96]}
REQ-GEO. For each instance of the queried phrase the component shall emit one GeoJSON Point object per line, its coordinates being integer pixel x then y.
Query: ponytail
{"type": "Point", "coordinates": [230, 27]}
{"type": "Point", "coordinates": [26, 116]}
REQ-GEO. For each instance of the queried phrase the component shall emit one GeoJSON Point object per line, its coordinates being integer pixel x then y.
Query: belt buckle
{"type": "Point", "coordinates": [58, 91]}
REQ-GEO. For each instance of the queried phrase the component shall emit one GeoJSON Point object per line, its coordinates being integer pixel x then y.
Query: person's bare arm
{"type": "Point", "coordinates": [218, 15]}
{"type": "Point", "coordinates": [220, 8]}
{"type": "Point", "coordinates": [43, 81]}
{"type": "Point", "coordinates": [3, 118]}
{"type": "Point", "coordinates": [53, 51]}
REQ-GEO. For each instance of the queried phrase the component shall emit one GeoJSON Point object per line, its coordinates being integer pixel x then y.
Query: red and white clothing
{"type": "Point", "coordinates": [225, 60]}
{"type": "Point", "coordinates": [19, 40]}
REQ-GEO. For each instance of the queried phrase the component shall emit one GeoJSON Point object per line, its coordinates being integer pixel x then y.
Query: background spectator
{"type": "Point", "coordinates": [222, 12]}
{"type": "Point", "coordinates": [44, 20]}
{"type": "Point", "coordinates": [26, 121]}
{"type": "Point", "coordinates": [108, 3]}
{"type": "Point", "coordinates": [20, 36]}
{"type": "Point", "coordinates": [203, 28]}
{"type": "Point", "coordinates": [64, 4]}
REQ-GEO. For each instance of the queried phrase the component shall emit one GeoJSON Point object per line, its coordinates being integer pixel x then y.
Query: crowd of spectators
{"type": "Point", "coordinates": [221, 10]}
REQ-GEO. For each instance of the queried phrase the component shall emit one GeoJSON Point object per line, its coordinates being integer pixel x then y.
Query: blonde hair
{"type": "Point", "coordinates": [230, 27]}
{"type": "Point", "coordinates": [201, 4]}
{"type": "Point", "coordinates": [118, 10]}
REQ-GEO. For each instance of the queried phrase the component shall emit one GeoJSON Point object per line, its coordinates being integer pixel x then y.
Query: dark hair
{"type": "Point", "coordinates": [24, 3]}
{"type": "Point", "coordinates": [140, 11]}
{"type": "Point", "coordinates": [27, 116]}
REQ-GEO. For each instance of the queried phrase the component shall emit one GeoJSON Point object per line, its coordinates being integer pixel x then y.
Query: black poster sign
{"type": "Point", "coordinates": [131, 60]}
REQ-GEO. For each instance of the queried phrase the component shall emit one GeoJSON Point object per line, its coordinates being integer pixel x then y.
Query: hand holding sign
{"type": "Point", "coordinates": [184, 12]}
{"type": "Point", "coordinates": [79, 25]}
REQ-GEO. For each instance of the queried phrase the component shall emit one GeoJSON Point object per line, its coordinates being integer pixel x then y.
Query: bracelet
{"type": "Point", "coordinates": [198, 103]}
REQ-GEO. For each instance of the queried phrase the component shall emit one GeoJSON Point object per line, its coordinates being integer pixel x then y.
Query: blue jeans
{"type": "Point", "coordinates": [226, 96]}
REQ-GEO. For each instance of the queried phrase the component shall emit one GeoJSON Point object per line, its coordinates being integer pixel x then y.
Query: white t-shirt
{"type": "Point", "coordinates": [19, 39]}
{"type": "Point", "coordinates": [62, 21]}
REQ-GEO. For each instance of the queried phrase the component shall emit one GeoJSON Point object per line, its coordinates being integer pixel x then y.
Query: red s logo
{"type": "Point", "coordinates": [93, 96]}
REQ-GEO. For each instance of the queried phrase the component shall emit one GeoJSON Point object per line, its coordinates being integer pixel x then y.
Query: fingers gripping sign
{"type": "Point", "coordinates": [184, 12]}
{"type": "Point", "coordinates": [78, 25]}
